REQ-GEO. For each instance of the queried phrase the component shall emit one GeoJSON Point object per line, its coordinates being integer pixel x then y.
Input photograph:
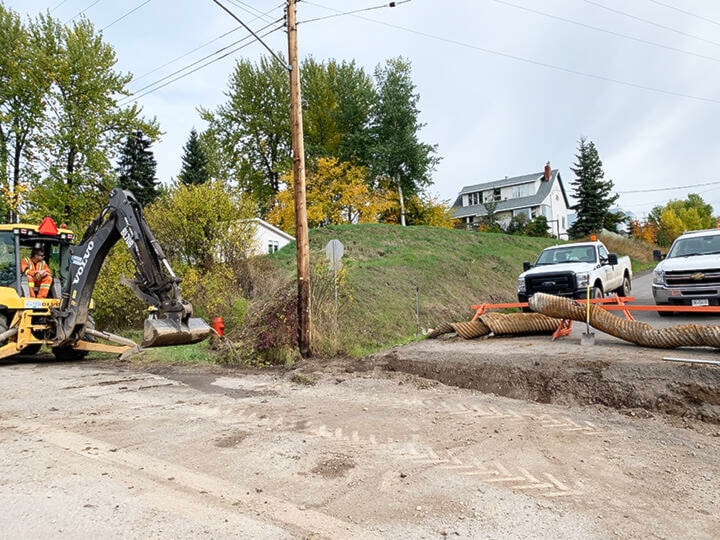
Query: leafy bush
{"type": "Point", "coordinates": [116, 306]}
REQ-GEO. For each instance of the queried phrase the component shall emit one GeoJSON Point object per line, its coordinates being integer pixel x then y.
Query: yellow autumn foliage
{"type": "Point", "coordinates": [336, 193]}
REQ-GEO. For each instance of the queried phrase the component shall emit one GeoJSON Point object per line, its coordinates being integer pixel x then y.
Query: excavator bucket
{"type": "Point", "coordinates": [167, 332]}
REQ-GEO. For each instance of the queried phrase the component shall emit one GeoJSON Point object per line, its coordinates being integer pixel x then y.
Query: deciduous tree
{"type": "Point", "coordinates": [678, 216]}
{"type": "Point", "coordinates": [397, 156]}
{"type": "Point", "coordinates": [198, 223]}
{"type": "Point", "coordinates": [253, 127]}
{"type": "Point", "coordinates": [84, 126]}
{"type": "Point", "coordinates": [336, 193]}
{"type": "Point", "coordinates": [23, 87]}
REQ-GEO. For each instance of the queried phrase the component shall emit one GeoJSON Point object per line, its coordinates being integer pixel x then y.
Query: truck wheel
{"type": "Point", "coordinates": [624, 290]}
{"type": "Point", "coordinates": [32, 349]}
{"type": "Point", "coordinates": [596, 292]}
{"type": "Point", "coordinates": [68, 354]}
{"type": "Point", "coordinates": [3, 323]}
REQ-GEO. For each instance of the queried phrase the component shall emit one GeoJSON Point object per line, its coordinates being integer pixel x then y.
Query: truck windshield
{"type": "Point", "coordinates": [566, 255]}
{"type": "Point", "coordinates": [690, 247]}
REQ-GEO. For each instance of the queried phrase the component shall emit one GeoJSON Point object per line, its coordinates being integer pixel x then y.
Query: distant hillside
{"type": "Point", "coordinates": [401, 279]}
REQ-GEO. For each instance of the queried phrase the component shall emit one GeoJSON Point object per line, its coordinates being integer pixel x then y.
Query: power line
{"type": "Point", "coordinates": [250, 9]}
{"type": "Point", "coordinates": [611, 32]}
{"type": "Point", "coordinates": [669, 188]}
{"type": "Point", "coordinates": [245, 38]}
{"type": "Point", "coordinates": [282, 62]}
{"type": "Point", "coordinates": [646, 21]}
{"type": "Point", "coordinates": [202, 46]}
{"type": "Point", "coordinates": [135, 97]}
{"type": "Point", "coordinates": [81, 12]}
{"type": "Point", "coordinates": [529, 61]}
{"type": "Point", "coordinates": [60, 4]}
{"type": "Point", "coordinates": [391, 4]}
{"type": "Point", "coordinates": [685, 12]}
{"type": "Point", "coordinates": [126, 14]}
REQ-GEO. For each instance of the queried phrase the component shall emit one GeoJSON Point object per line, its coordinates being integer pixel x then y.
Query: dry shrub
{"type": "Point", "coordinates": [326, 312]}
{"type": "Point", "coordinates": [271, 328]}
{"type": "Point", "coordinates": [636, 248]}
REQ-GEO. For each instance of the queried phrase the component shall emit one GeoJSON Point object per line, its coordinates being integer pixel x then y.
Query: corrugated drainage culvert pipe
{"type": "Point", "coordinates": [683, 335]}
{"type": "Point", "coordinates": [499, 324]}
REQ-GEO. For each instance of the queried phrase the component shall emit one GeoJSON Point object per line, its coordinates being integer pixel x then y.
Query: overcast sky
{"type": "Point", "coordinates": [504, 85]}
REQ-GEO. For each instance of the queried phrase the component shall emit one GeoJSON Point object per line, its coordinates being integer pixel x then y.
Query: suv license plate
{"type": "Point", "coordinates": [700, 302]}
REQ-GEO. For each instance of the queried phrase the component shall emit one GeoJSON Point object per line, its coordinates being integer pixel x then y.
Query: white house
{"type": "Point", "coordinates": [536, 194]}
{"type": "Point", "coordinates": [268, 238]}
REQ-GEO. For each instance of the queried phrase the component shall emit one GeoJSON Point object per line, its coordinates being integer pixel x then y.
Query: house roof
{"type": "Point", "coordinates": [510, 204]}
{"type": "Point", "coordinates": [268, 226]}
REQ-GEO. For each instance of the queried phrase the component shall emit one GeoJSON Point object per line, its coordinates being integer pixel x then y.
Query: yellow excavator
{"type": "Point", "coordinates": [62, 321]}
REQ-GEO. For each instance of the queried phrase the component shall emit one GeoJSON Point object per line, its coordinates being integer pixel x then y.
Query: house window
{"type": "Point", "coordinates": [523, 211]}
{"type": "Point", "coordinates": [523, 190]}
{"type": "Point", "coordinates": [473, 199]}
{"type": "Point", "coordinates": [273, 246]}
{"type": "Point", "coordinates": [496, 194]}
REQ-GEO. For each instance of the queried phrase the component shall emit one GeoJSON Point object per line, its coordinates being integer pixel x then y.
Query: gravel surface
{"type": "Point", "coordinates": [342, 449]}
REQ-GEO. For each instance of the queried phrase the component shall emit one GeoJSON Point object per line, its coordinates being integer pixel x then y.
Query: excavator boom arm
{"type": "Point", "coordinates": [154, 281]}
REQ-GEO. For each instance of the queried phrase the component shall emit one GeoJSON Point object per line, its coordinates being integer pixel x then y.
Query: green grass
{"type": "Point", "coordinates": [401, 281]}
{"type": "Point", "coordinates": [404, 280]}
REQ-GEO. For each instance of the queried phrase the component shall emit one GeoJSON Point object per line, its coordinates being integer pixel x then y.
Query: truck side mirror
{"type": "Point", "coordinates": [612, 259]}
{"type": "Point", "coordinates": [526, 266]}
{"type": "Point", "coordinates": [657, 256]}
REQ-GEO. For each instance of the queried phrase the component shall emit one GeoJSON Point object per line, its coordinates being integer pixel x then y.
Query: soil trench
{"type": "Point", "coordinates": [614, 374]}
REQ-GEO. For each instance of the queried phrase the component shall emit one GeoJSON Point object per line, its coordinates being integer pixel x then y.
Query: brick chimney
{"type": "Point", "coordinates": [548, 172]}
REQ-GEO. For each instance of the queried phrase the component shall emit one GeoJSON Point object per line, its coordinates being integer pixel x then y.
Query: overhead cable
{"type": "Point", "coordinates": [126, 14]}
{"type": "Point", "coordinates": [675, 188]}
{"type": "Point", "coordinates": [135, 97]}
{"type": "Point", "coordinates": [611, 32]}
{"type": "Point", "coordinates": [652, 23]}
{"type": "Point", "coordinates": [685, 12]}
{"type": "Point", "coordinates": [528, 60]}
{"type": "Point", "coordinates": [81, 12]}
{"type": "Point", "coordinates": [135, 79]}
{"type": "Point", "coordinates": [245, 38]}
{"type": "Point", "coordinates": [381, 6]}
{"type": "Point", "coordinates": [274, 55]}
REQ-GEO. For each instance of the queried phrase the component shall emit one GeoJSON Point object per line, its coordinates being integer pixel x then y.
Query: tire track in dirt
{"type": "Point", "coordinates": [192, 491]}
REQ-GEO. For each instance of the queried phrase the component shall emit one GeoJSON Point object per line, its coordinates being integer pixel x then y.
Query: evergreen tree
{"type": "Point", "coordinates": [592, 192]}
{"type": "Point", "coordinates": [136, 168]}
{"type": "Point", "coordinates": [194, 162]}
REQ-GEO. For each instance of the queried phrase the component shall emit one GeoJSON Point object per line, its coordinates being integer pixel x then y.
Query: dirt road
{"type": "Point", "coordinates": [109, 450]}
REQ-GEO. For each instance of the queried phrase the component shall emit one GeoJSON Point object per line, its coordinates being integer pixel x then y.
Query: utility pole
{"type": "Point", "coordinates": [298, 146]}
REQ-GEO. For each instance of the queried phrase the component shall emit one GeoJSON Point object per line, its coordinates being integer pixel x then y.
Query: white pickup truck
{"type": "Point", "coordinates": [568, 269]}
{"type": "Point", "coordinates": [689, 275]}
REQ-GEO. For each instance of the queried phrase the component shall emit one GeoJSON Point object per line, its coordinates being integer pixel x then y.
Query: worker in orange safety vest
{"type": "Point", "coordinates": [37, 272]}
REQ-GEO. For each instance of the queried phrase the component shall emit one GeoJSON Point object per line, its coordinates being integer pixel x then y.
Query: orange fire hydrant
{"type": "Point", "coordinates": [218, 325]}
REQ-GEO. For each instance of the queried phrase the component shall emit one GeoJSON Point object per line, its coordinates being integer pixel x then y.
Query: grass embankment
{"type": "Point", "coordinates": [399, 281]}
{"type": "Point", "coordinates": [396, 282]}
